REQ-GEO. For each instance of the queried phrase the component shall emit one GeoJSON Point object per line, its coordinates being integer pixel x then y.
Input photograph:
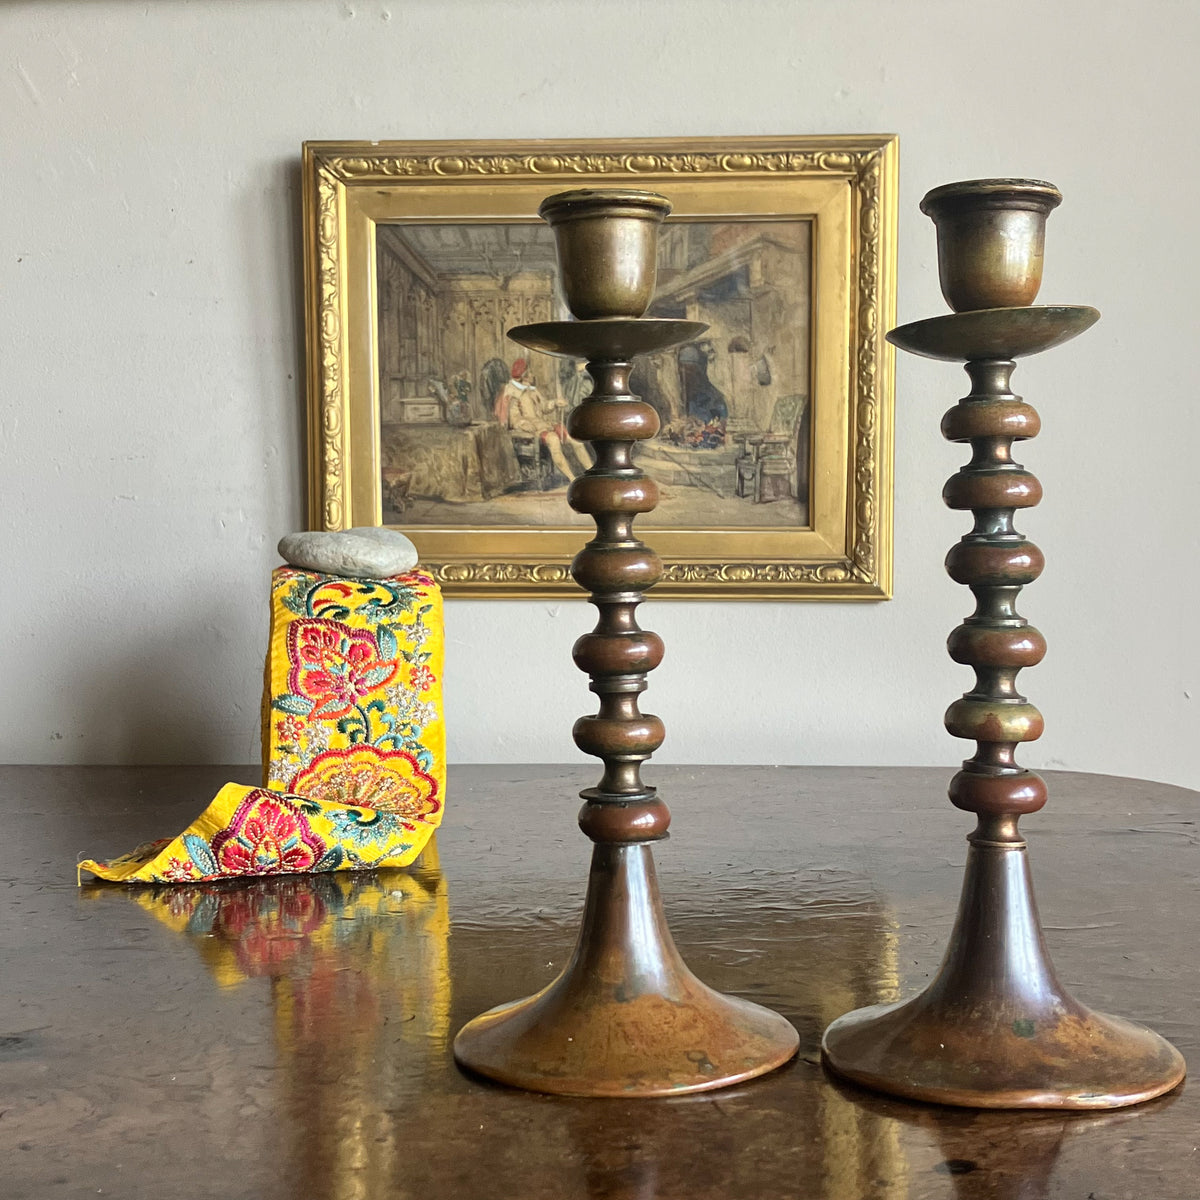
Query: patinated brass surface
{"type": "Point", "coordinates": [845, 184]}
{"type": "Point", "coordinates": [606, 242]}
{"type": "Point", "coordinates": [996, 1028]}
{"type": "Point", "coordinates": [621, 337]}
{"type": "Point", "coordinates": [961, 337]}
{"type": "Point", "coordinates": [991, 236]}
{"type": "Point", "coordinates": [290, 1039]}
{"type": "Point", "coordinates": [626, 1017]}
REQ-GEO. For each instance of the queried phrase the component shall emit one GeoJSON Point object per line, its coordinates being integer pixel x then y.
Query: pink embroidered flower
{"type": "Point", "coordinates": [334, 666]}
{"type": "Point", "coordinates": [266, 835]}
{"type": "Point", "coordinates": [423, 678]}
{"type": "Point", "coordinates": [290, 730]}
{"type": "Point", "coordinates": [180, 870]}
{"type": "Point", "coordinates": [388, 781]}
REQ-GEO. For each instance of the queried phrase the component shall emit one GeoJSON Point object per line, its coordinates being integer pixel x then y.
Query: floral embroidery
{"type": "Point", "coordinates": [389, 781]}
{"type": "Point", "coordinates": [417, 634]}
{"type": "Point", "coordinates": [267, 835]}
{"type": "Point", "coordinates": [364, 828]}
{"type": "Point", "coordinates": [334, 667]}
{"type": "Point", "coordinates": [353, 722]}
{"type": "Point", "coordinates": [310, 594]}
{"type": "Point", "coordinates": [290, 729]}
{"type": "Point", "coordinates": [180, 870]}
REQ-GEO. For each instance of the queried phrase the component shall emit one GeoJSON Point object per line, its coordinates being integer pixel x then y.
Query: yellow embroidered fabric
{"type": "Point", "coordinates": [354, 757]}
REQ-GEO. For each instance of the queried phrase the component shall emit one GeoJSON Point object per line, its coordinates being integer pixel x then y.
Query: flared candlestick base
{"type": "Point", "coordinates": [626, 1017]}
{"type": "Point", "coordinates": [996, 1029]}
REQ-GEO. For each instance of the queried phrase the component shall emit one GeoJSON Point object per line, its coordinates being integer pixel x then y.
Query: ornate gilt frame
{"type": "Point", "coordinates": [846, 184]}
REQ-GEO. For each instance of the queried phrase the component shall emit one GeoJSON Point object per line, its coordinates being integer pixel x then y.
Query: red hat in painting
{"type": "Point", "coordinates": [518, 368]}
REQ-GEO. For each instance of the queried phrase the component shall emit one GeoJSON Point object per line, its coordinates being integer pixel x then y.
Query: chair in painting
{"type": "Point", "coordinates": [768, 463]}
{"type": "Point", "coordinates": [537, 471]}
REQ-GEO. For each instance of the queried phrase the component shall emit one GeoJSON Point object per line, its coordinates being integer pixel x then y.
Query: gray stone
{"type": "Point", "coordinates": [365, 552]}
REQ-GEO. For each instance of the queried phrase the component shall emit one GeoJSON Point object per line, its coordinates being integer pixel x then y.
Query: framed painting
{"type": "Point", "coordinates": [774, 453]}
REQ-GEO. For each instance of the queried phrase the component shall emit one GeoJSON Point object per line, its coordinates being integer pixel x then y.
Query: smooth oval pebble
{"type": "Point", "coordinates": [364, 552]}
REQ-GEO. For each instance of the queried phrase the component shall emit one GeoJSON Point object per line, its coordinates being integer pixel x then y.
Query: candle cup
{"type": "Point", "coordinates": [607, 244]}
{"type": "Point", "coordinates": [990, 239]}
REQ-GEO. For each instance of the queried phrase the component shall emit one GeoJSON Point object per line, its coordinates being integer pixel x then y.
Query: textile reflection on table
{"type": "Point", "coordinates": [290, 1037]}
{"type": "Point", "coordinates": [459, 464]}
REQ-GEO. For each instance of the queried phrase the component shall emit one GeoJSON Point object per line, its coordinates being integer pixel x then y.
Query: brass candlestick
{"type": "Point", "coordinates": [626, 1017]}
{"type": "Point", "coordinates": [996, 1029]}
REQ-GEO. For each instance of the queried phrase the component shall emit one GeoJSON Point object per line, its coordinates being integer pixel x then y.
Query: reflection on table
{"type": "Point", "coordinates": [360, 994]}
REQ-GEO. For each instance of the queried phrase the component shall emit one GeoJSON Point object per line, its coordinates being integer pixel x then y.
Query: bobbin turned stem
{"type": "Point", "coordinates": [996, 1028]}
{"type": "Point", "coordinates": [626, 1017]}
{"type": "Point", "coordinates": [617, 568]}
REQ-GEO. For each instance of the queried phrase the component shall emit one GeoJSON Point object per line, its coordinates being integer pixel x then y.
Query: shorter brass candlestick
{"type": "Point", "coordinates": [626, 1017]}
{"type": "Point", "coordinates": [996, 1029]}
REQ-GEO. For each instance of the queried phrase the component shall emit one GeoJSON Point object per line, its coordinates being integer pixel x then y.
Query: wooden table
{"type": "Point", "coordinates": [290, 1038]}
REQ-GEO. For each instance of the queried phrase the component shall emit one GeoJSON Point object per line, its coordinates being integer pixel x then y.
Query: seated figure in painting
{"type": "Point", "coordinates": [523, 410]}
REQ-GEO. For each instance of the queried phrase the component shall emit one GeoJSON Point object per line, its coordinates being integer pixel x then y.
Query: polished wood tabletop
{"type": "Point", "coordinates": [290, 1037]}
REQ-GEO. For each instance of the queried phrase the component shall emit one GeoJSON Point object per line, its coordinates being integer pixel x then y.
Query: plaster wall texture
{"type": "Point", "coordinates": [152, 388]}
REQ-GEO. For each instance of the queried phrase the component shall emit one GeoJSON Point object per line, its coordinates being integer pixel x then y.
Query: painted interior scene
{"type": "Point", "coordinates": [473, 426]}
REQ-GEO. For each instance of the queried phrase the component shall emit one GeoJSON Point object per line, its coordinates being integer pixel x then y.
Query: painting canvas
{"type": "Point", "coordinates": [472, 426]}
{"type": "Point", "coordinates": [773, 454]}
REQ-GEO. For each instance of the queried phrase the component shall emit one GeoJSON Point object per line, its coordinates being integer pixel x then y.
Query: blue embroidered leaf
{"type": "Point", "coordinates": [298, 706]}
{"type": "Point", "coordinates": [376, 675]}
{"type": "Point", "coordinates": [295, 604]}
{"type": "Point", "coordinates": [330, 860]}
{"type": "Point", "coordinates": [201, 854]}
{"type": "Point", "coordinates": [387, 642]}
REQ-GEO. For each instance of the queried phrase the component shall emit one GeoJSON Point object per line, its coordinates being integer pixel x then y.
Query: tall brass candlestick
{"type": "Point", "coordinates": [996, 1029]}
{"type": "Point", "coordinates": [626, 1017]}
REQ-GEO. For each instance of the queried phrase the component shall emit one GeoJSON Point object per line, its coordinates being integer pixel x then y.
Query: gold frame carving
{"type": "Point", "coordinates": [846, 184]}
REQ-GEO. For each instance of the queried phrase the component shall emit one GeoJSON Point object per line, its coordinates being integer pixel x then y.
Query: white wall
{"type": "Point", "coordinates": [150, 357]}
